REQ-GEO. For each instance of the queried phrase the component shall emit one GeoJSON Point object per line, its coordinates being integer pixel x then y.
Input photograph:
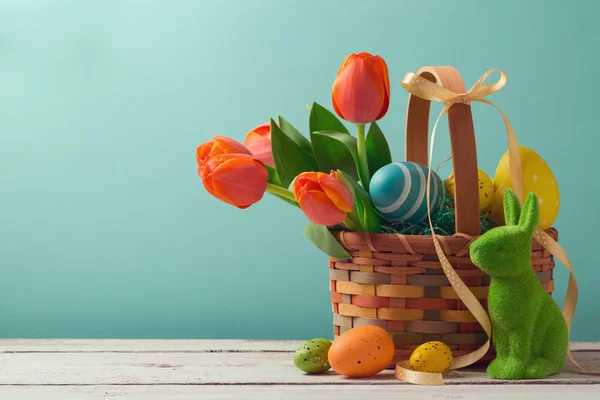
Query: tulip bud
{"type": "Point", "coordinates": [237, 179]}
{"type": "Point", "coordinates": [258, 141]}
{"type": "Point", "coordinates": [361, 90]}
{"type": "Point", "coordinates": [217, 146]}
{"type": "Point", "coordinates": [322, 198]}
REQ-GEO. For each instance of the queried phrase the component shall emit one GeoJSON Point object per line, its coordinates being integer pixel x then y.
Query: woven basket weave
{"type": "Point", "coordinates": [396, 281]}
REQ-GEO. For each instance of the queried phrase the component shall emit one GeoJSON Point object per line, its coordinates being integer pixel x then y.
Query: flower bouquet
{"type": "Point", "coordinates": [341, 182]}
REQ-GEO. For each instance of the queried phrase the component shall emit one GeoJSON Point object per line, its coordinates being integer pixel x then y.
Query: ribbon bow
{"type": "Point", "coordinates": [428, 90]}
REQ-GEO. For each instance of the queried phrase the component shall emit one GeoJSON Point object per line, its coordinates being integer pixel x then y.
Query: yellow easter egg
{"type": "Point", "coordinates": [497, 205]}
{"type": "Point", "coordinates": [537, 178]}
{"type": "Point", "coordinates": [431, 357]}
{"type": "Point", "coordinates": [449, 186]}
{"type": "Point", "coordinates": [486, 189]}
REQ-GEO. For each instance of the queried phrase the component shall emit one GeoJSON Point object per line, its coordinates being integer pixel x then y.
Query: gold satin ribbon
{"type": "Point", "coordinates": [428, 90]}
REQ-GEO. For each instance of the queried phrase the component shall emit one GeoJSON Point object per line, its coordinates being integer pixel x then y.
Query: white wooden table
{"type": "Point", "coordinates": [235, 369]}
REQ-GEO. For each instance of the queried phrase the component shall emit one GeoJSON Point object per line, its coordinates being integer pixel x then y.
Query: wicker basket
{"type": "Point", "coordinates": [396, 281]}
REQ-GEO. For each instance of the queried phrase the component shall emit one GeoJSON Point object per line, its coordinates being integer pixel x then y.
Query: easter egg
{"type": "Point", "coordinates": [398, 191]}
{"type": "Point", "coordinates": [311, 357]}
{"type": "Point", "coordinates": [497, 205]}
{"type": "Point", "coordinates": [537, 178]}
{"type": "Point", "coordinates": [362, 351]}
{"type": "Point", "coordinates": [431, 357]}
{"type": "Point", "coordinates": [486, 189]}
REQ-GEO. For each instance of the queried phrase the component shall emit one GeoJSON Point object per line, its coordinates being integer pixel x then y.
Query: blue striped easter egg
{"type": "Point", "coordinates": [398, 191]}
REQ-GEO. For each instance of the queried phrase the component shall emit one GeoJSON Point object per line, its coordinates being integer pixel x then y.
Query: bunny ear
{"type": "Point", "coordinates": [530, 214]}
{"type": "Point", "coordinates": [512, 208]}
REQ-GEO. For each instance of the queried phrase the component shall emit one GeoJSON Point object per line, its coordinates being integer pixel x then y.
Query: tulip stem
{"type": "Point", "coordinates": [363, 166]}
{"type": "Point", "coordinates": [281, 192]}
{"type": "Point", "coordinates": [352, 224]}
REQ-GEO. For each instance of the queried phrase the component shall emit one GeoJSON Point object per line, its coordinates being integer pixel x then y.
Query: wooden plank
{"type": "Point", "coordinates": [160, 345]}
{"type": "Point", "coordinates": [212, 368]}
{"type": "Point", "coordinates": [145, 345]}
{"type": "Point", "coordinates": [318, 392]}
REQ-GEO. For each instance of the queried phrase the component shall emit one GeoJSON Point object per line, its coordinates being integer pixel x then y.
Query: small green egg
{"type": "Point", "coordinates": [311, 357]}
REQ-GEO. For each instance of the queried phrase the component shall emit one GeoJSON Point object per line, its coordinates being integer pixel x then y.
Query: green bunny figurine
{"type": "Point", "coordinates": [529, 331]}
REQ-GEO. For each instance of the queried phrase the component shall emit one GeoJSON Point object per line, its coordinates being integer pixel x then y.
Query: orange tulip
{"type": "Point", "coordinates": [258, 141]}
{"type": "Point", "coordinates": [323, 199]}
{"type": "Point", "coordinates": [361, 90]}
{"type": "Point", "coordinates": [237, 179]}
{"type": "Point", "coordinates": [217, 146]}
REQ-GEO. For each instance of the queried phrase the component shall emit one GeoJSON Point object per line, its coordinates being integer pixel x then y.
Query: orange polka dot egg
{"type": "Point", "coordinates": [361, 352]}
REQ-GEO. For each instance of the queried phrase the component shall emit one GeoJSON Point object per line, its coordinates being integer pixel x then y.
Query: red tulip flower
{"type": "Point", "coordinates": [361, 90]}
{"type": "Point", "coordinates": [323, 199]}
{"type": "Point", "coordinates": [230, 173]}
{"type": "Point", "coordinates": [258, 141]}
{"type": "Point", "coordinates": [237, 179]}
{"type": "Point", "coordinates": [217, 146]}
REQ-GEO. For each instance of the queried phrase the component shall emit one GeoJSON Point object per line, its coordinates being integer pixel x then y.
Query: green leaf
{"type": "Point", "coordinates": [273, 177]}
{"type": "Point", "coordinates": [358, 208]}
{"type": "Point", "coordinates": [295, 135]}
{"type": "Point", "coordinates": [369, 219]}
{"type": "Point", "coordinates": [321, 237]}
{"type": "Point", "coordinates": [274, 180]}
{"type": "Point", "coordinates": [378, 151]}
{"type": "Point", "coordinates": [290, 159]}
{"type": "Point", "coordinates": [336, 151]}
{"type": "Point", "coordinates": [321, 119]}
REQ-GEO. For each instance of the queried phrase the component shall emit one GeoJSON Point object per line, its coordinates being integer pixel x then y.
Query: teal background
{"type": "Point", "coordinates": [105, 228]}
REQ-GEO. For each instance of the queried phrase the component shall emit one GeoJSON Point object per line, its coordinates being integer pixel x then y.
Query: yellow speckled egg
{"type": "Point", "coordinates": [537, 178]}
{"type": "Point", "coordinates": [486, 189]}
{"type": "Point", "coordinates": [431, 357]}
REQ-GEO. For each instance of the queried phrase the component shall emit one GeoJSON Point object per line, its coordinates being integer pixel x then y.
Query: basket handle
{"type": "Point", "coordinates": [462, 139]}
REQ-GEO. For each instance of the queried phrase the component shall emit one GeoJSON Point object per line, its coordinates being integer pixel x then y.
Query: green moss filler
{"type": "Point", "coordinates": [529, 331]}
{"type": "Point", "coordinates": [444, 222]}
